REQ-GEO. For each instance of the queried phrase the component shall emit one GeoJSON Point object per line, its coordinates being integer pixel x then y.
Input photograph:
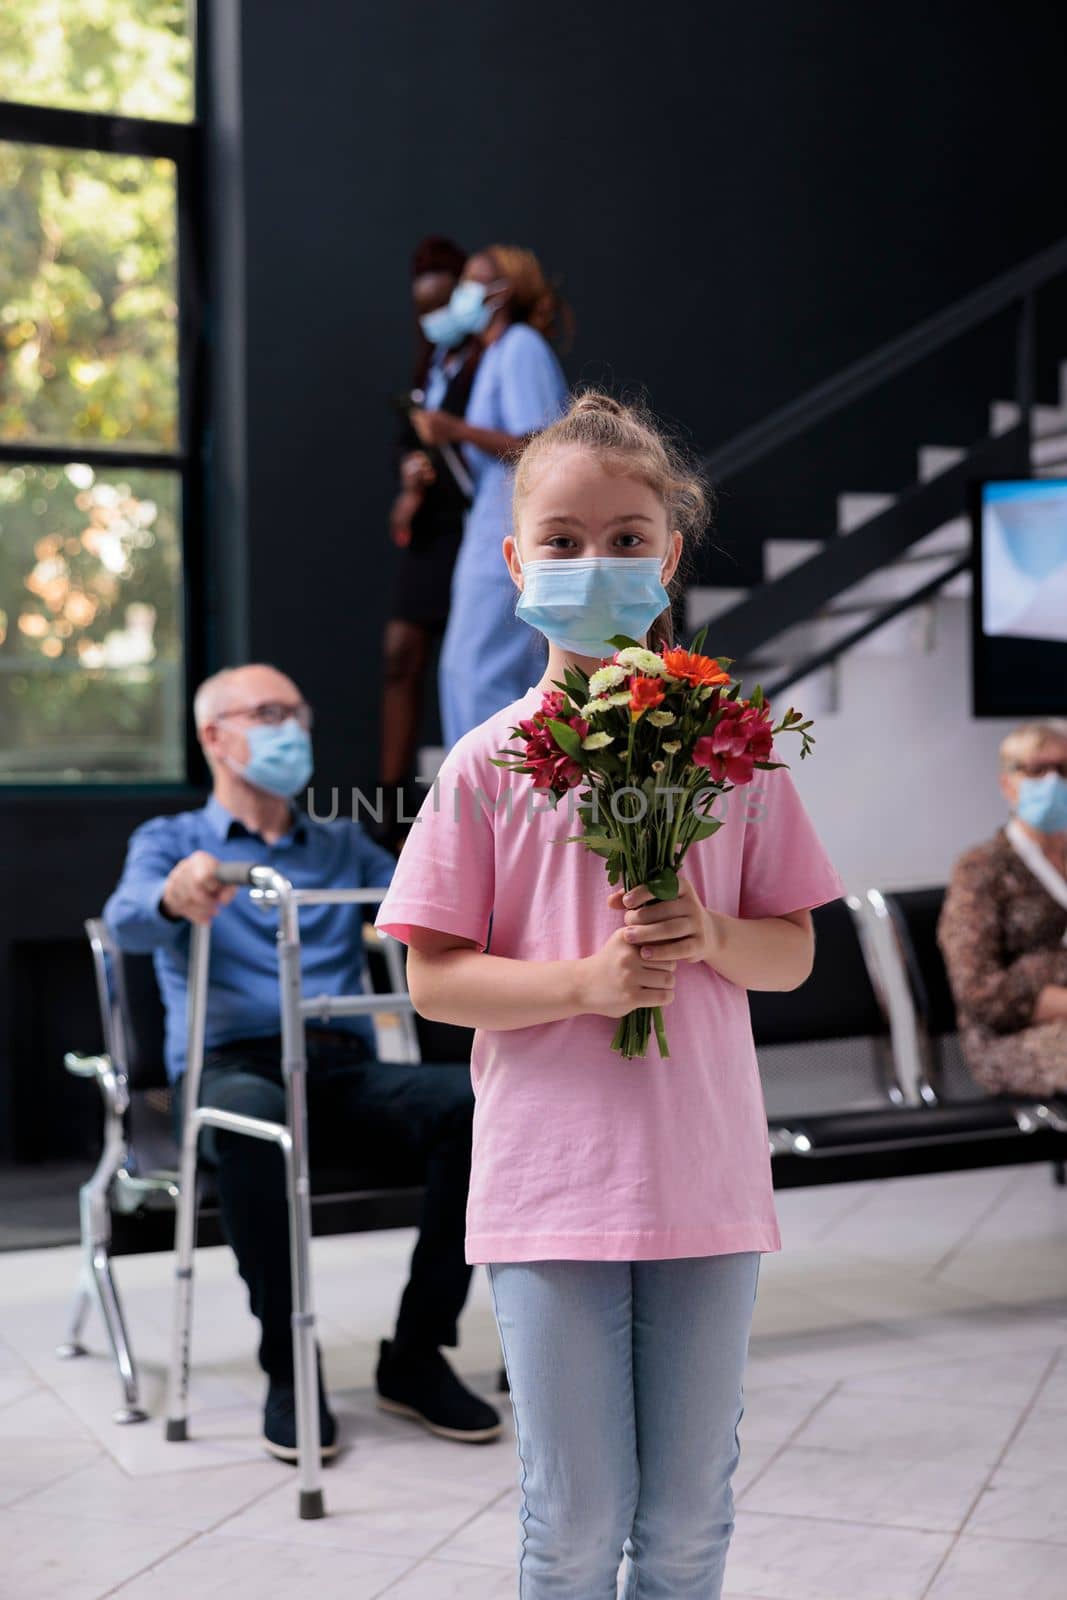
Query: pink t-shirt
{"type": "Point", "coordinates": [578, 1154]}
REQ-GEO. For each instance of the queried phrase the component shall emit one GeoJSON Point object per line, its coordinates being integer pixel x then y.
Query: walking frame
{"type": "Point", "coordinates": [272, 889]}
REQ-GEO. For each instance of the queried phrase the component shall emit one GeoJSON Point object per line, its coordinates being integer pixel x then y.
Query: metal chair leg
{"type": "Point", "coordinates": [1059, 1174]}
{"type": "Point", "coordinates": [111, 1310]}
{"type": "Point", "coordinates": [73, 1346]}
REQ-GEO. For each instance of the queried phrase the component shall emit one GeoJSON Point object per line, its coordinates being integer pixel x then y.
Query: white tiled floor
{"type": "Point", "coordinates": [905, 1431]}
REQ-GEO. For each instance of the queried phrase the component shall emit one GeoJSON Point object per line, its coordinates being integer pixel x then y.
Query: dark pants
{"type": "Point", "coordinates": [412, 1119]}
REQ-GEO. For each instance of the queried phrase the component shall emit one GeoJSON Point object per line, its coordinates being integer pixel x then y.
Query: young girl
{"type": "Point", "coordinates": [620, 1206]}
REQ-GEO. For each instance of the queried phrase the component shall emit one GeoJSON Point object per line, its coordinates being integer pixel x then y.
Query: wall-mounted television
{"type": "Point", "coordinates": [1019, 613]}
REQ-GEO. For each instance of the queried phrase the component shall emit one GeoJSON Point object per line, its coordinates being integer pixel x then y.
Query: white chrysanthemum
{"type": "Point", "coordinates": [662, 719]}
{"type": "Point", "coordinates": [597, 741]}
{"type": "Point", "coordinates": [641, 660]}
{"type": "Point", "coordinates": [658, 766]}
{"type": "Point", "coordinates": [672, 746]}
{"type": "Point", "coordinates": [605, 678]}
{"type": "Point", "coordinates": [593, 708]}
{"type": "Point", "coordinates": [622, 699]}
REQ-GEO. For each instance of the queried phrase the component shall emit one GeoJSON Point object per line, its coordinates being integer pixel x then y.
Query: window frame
{"type": "Point", "coordinates": [182, 144]}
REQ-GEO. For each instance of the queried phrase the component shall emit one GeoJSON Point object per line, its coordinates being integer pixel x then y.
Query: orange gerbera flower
{"type": "Point", "coordinates": [694, 669]}
{"type": "Point", "coordinates": [645, 693]}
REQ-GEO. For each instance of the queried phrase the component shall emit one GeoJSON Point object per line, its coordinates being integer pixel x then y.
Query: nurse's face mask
{"type": "Point", "coordinates": [474, 305]}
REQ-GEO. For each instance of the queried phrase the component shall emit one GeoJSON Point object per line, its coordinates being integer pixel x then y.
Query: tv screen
{"type": "Point", "coordinates": [1020, 598]}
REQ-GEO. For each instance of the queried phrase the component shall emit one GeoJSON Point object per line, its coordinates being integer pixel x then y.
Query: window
{"type": "Point", "coordinates": [99, 344]}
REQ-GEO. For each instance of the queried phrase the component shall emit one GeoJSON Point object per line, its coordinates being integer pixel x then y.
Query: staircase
{"type": "Point", "coordinates": [936, 564]}
{"type": "Point", "coordinates": [869, 586]}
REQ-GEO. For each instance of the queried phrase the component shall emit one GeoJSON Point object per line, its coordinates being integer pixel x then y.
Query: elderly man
{"type": "Point", "coordinates": [1003, 928]}
{"type": "Point", "coordinates": [254, 729]}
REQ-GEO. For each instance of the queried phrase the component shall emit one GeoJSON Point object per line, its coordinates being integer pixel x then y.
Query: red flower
{"type": "Point", "coordinates": [694, 669]}
{"type": "Point", "coordinates": [552, 703]}
{"type": "Point", "coordinates": [645, 695]}
{"type": "Point", "coordinates": [551, 767]}
{"type": "Point", "coordinates": [740, 738]}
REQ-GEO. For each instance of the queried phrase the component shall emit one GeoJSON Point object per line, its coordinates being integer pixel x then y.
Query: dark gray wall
{"type": "Point", "coordinates": [740, 198]}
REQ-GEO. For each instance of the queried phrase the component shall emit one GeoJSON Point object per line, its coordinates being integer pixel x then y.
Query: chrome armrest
{"type": "Point", "coordinates": [132, 1191]}
{"type": "Point", "coordinates": [112, 1084]}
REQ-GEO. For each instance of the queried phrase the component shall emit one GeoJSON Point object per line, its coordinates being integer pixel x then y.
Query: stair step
{"type": "Point", "coordinates": [782, 555]}
{"type": "Point", "coordinates": [1004, 414]}
{"type": "Point", "coordinates": [705, 602]}
{"type": "Point", "coordinates": [895, 582]}
{"type": "Point", "coordinates": [854, 509]}
{"type": "Point", "coordinates": [951, 538]}
{"type": "Point", "coordinates": [934, 459]}
{"type": "Point", "coordinates": [1050, 451]}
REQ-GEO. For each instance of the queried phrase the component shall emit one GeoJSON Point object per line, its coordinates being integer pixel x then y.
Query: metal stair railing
{"type": "Point", "coordinates": [770, 608]}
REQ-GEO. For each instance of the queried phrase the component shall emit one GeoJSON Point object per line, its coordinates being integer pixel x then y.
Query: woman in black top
{"type": "Point", "coordinates": [426, 522]}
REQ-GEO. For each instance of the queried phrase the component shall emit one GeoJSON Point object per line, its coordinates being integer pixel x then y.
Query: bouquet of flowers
{"type": "Point", "coordinates": [655, 739]}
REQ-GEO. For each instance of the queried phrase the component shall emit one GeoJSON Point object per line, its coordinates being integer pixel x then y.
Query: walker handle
{"type": "Point", "coordinates": [239, 872]}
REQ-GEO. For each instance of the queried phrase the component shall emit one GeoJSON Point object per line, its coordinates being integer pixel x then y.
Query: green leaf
{"type": "Point", "coordinates": [704, 830]}
{"type": "Point", "coordinates": [566, 737]}
{"type": "Point", "coordinates": [756, 697]}
{"type": "Point", "coordinates": [622, 641]}
{"type": "Point", "coordinates": [697, 643]}
{"type": "Point", "coordinates": [664, 884]}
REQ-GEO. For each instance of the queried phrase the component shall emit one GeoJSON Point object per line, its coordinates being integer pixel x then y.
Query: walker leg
{"type": "Point", "coordinates": [177, 1427]}
{"type": "Point", "coordinates": [1059, 1173]}
{"type": "Point", "coordinates": [294, 1063]}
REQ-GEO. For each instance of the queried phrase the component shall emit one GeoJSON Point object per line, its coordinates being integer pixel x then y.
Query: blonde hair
{"type": "Point", "coordinates": [534, 299]}
{"type": "Point", "coordinates": [1023, 741]}
{"type": "Point", "coordinates": [628, 441]}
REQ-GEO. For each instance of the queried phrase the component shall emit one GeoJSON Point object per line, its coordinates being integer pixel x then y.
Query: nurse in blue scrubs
{"type": "Point", "coordinates": [488, 657]}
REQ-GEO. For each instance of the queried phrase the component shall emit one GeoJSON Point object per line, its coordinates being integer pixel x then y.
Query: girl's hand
{"type": "Point", "coordinates": [435, 427]}
{"type": "Point", "coordinates": [679, 929]}
{"type": "Point", "coordinates": [618, 979]}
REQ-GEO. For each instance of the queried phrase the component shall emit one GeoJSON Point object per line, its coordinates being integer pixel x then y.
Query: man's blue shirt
{"type": "Point", "coordinates": [243, 977]}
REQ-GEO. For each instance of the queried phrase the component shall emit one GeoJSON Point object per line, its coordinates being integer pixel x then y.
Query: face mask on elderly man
{"type": "Point", "coordinates": [279, 759]}
{"type": "Point", "coordinates": [1042, 803]}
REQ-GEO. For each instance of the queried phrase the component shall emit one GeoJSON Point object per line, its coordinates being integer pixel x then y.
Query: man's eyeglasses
{"type": "Point", "coordinates": [272, 713]}
{"type": "Point", "coordinates": [1040, 769]}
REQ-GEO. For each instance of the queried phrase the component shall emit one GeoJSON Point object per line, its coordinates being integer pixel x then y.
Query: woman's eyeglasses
{"type": "Point", "coordinates": [1040, 769]}
{"type": "Point", "coordinates": [272, 713]}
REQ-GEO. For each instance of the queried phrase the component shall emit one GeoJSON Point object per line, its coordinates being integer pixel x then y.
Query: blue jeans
{"type": "Point", "coordinates": [626, 1382]}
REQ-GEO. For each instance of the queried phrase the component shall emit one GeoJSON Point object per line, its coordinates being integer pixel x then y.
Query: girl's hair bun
{"type": "Point", "coordinates": [595, 400]}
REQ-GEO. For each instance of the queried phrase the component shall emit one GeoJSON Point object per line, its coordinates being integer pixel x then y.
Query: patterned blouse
{"type": "Point", "coordinates": [1001, 935]}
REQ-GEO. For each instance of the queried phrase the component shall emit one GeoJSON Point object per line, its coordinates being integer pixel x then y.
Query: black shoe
{"type": "Point", "coordinates": [279, 1423]}
{"type": "Point", "coordinates": [424, 1387]}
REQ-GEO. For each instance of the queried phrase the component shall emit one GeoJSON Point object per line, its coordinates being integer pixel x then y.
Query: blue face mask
{"type": "Point", "coordinates": [1042, 803]}
{"type": "Point", "coordinates": [279, 758]}
{"type": "Point", "coordinates": [465, 313]}
{"type": "Point", "coordinates": [580, 602]}
{"type": "Point", "coordinates": [442, 327]}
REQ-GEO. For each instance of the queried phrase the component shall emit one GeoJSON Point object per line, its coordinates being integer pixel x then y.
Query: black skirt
{"type": "Point", "coordinates": [422, 577]}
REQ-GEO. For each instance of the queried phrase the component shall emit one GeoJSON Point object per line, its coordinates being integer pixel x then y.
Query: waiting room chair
{"type": "Point", "coordinates": [995, 1129]}
{"type": "Point", "coordinates": [128, 1204]}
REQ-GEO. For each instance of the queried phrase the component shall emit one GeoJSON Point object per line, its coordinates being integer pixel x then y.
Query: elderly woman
{"type": "Point", "coordinates": [1003, 929]}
